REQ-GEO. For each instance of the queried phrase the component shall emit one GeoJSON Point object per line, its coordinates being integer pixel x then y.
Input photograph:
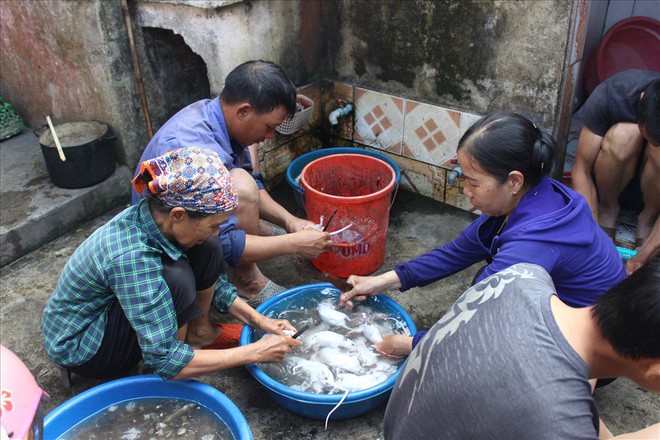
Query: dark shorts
{"type": "Point", "coordinates": [120, 351]}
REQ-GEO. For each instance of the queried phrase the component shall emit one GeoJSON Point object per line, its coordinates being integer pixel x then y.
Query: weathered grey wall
{"type": "Point", "coordinates": [476, 56]}
{"type": "Point", "coordinates": [225, 37]}
{"type": "Point", "coordinates": [69, 60]}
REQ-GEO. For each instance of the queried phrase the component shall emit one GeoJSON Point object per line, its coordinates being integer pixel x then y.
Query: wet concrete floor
{"type": "Point", "coordinates": [416, 225]}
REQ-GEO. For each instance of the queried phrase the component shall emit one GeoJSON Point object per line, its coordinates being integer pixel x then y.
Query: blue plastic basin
{"type": "Point", "coordinates": [296, 167]}
{"type": "Point", "coordinates": [94, 400]}
{"type": "Point", "coordinates": [317, 406]}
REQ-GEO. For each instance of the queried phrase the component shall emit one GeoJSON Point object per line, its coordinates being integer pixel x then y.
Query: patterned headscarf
{"type": "Point", "coordinates": [192, 178]}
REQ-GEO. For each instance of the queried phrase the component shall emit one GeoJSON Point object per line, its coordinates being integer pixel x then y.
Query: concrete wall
{"type": "Point", "coordinates": [476, 56]}
{"type": "Point", "coordinates": [72, 60]}
{"type": "Point", "coordinates": [69, 60]}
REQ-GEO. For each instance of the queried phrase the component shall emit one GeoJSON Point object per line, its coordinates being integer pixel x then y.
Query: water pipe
{"type": "Point", "coordinates": [337, 113]}
{"type": "Point", "coordinates": [454, 175]}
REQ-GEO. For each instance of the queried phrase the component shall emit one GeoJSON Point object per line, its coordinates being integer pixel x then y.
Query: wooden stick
{"type": "Point", "coordinates": [57, 140]}
{"type": "Point", "coordinates": [137, 73]}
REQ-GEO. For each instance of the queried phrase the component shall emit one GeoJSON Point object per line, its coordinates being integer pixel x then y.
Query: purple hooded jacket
{"type": "Point", "coordinates": [552, 226]}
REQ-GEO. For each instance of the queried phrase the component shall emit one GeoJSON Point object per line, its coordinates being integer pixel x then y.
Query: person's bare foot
{"type": "Point", "coordinates": [201, 336]}
{"type": "Point", "coordinates": [265, 228]}
{"type": "Point", "coordinates": [608, 219]}
{"type": "Point", "coordinates": [645, 222]}
{"type": "Point", "coordinates": [249, 280]}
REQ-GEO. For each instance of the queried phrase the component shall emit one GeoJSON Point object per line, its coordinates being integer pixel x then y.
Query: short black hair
{"type": "Point", "coordinates": [502, 142]}
{"type": "Point", "coordinates": [628, 315]}
{"type": "Point", "coordinates": [648, 110]}
{"type": "Point", "coordinates": [263, 84]}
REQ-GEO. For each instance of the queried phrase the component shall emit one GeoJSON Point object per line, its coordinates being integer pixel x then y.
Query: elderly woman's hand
{"type": "Point", "coordinates": [273, 348]}
{"type": "Point", "coordinates": [275, 326]}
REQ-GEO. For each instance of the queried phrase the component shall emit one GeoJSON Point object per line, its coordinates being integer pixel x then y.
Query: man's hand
{"type": "Point", "coordinates": [649, 250]}
{"type": "Point", "coordinates": [310, 243]}
{"type": "Point", "coordinates": [295, 224]}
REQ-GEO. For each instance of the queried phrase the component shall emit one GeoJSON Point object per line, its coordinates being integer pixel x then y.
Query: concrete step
{"type": "Point", "coordinates": [33, 211]}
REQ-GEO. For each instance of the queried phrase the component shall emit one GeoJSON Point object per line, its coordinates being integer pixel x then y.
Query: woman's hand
{"type": "Point", "coordinates": [364, 287]}
{"type": "Point", "coordinates": [274, 326]}
{"type": "Point", "coordinates": [273, 348]}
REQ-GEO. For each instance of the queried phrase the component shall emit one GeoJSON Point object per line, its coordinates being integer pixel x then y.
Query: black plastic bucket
{"type": "Point", "coordinates": [89, 150]}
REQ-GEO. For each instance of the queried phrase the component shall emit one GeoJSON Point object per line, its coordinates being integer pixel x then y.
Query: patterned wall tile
{"type": "Point", "coordinates": [420, 137]}
{"type": "Point", "coordinates": [430, 133]}
{"type": "Point", "coordinates": [378, 120]}
{"type": "Point", "coordinates": [421, 178]}
{"type": "Point", "coordinates": [467, 119]}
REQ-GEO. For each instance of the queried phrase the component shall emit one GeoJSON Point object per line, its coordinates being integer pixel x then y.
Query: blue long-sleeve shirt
{"type": "Point", "coordinates": [201, 124]}
{"type": "Point", "coordinates": [552, 226]}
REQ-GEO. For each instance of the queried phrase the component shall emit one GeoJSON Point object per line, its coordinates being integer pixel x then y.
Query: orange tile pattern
{"type": "Point", "coordinates": [378, 120]}
{"type": "Point", "coordinates": [420, 137]}
{"type": "Point", "coordinates": [431, 133]}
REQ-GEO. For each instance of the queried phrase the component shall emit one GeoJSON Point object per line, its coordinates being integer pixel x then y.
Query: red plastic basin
{"type": "Point", "coordinates": [632, 43]}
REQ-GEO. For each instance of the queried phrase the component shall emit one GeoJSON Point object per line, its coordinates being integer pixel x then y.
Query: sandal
{"type": "Point", "coordinates": [268, 292]}
{"type": "Point", "coordinates": [229, 337]}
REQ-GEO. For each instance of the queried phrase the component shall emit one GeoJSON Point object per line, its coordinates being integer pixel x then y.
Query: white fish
{"type": "Point", "coordinates": [318, 373]}
{"type": "Point", "coordinates": [367, 357]}
{"type": "Point", "coordinates": [330, 315]}
{"type": "Point", "coordinates": [330, 339]}
{"type": "Point", "coordinates": [352, 382]}
{"type": "Point", "coordinates": [335, 358]}
{"type": "Point", "coordinates": [371, 332]}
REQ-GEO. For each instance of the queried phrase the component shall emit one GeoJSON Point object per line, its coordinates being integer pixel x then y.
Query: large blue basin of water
{"type": "Point", "coordinates": [97, 399]}
{"type": "Point", "coordinates": [297, 165]}
{"type": "Point", "coordinates": [318, 406]}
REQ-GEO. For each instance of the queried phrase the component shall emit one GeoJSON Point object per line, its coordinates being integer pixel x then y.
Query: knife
{"type": "Point", "coordinates": [325, 228]}
{"type": "Point", "coordinates": [339, 283]}
{"type": "Point", "coordinates": [300, 332]}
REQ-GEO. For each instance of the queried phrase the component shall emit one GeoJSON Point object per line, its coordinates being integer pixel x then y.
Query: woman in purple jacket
{"type": "Point", "coordinates": [527, 218]}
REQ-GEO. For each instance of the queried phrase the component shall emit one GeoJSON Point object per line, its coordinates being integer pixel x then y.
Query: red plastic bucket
{"type": "Point", "coordinates": [360, 189]}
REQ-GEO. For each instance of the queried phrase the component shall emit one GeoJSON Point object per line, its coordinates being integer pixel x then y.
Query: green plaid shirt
{"type": "Point", "coordinates": [122, 261]}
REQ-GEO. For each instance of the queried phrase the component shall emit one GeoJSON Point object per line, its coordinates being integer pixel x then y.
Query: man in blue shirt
{"type": "Point", "coordinates": [256, 98]}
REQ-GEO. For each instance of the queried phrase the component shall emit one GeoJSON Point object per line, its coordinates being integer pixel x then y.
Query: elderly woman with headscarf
{"type": "Point", "coordinates": [141, 286]}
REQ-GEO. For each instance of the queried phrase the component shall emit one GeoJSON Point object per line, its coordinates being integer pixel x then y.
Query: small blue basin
{"type": "Point", "coordinates": [94, 400]}
{"type": "Point", "coordinates": [318, 406]}
{"type": "Point", "coordinates": [297, 165]}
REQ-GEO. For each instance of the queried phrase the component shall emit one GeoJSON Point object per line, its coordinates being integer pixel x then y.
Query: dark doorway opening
{"type": "Point", "coordinates": [176, 76]}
